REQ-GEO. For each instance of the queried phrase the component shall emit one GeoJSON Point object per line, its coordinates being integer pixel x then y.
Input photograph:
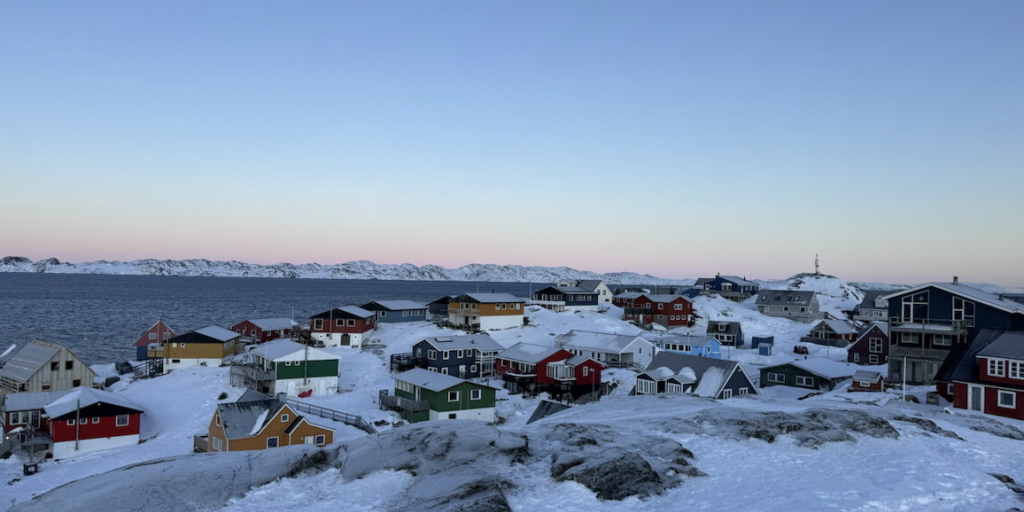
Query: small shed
{"type": "Point", "coordinates": [756, 341]}
{"type": "Point", "coordinates": [864, 380]}
{"type": "Point", "coordinates": [764, 348]}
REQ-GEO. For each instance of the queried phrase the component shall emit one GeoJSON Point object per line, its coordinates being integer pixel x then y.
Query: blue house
{"type": "Point", "coordinates": [466, 357]}
{"type": "Point", "coordinates": [703, 346]}
{"type": "Point", "coordinates": [396, 311]}
{"type": "Point", "coordinates": [730, 287]}
{"type": "Point", "coordinates": [566, 298]}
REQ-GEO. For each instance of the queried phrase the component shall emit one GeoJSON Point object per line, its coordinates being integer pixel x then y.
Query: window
{"type": "Point", "coordinates": [339, 322]}
{"type": "Point", "coordinates": [444, 371]}
{"type": "Point", "coordinates": [942, 340]}
{"type": "Point", "coordinates": [453, 396]}
{"type": "Point", "coordinates": [54, 366]}
{"type": "Point", "coordinates": [216, 420]}
{"type": "Point", "coordinates": [743, 391]}
{"type": "Point", "coordinates": [726, 393]}
{"type": "Point", "coordinates": [1016, 370]}
{"type": "Point", "coordinates": [272, 442]}
{"type": "Point", "coordinates": [875, 345]}
{"type": "Point", "coordinates": [431, 354]}
{"type": "Point", "coordinates": [71, 422]}
{"type": "Point", "coordinates": [75, 383]}
{"type": "Point", "coordinates": [910, 338]}
{"type": "Point", "coordinates": [444, 354]}
{"type": "Point", "coordinates": [915, 307]}
{"type": "Point", "coordinates": [856, 358]}
{"type": "Point", "coordinates": [452, 416]}
{"type": "Point", "coordinates": [351, 323]}
{"type": "Point", "coordinates": [460, 354]}
{"type": "Point", "coordinates": [776, 377]}
{"type": "Point", "coordinates": [121, 420]}
{"type": "Point", "coordinates": [95, 420]}
{"type": "Point", "coordinates": [152, 335]}
{"type": "Point", "coordinates": [1007, 399]}
{"type": "Point", "coordinates": [167, 336]}
{"type": "Point", "coordinates": [284, 418]}
{"type": "Point", "coordinates": [476, 394]}
{"type": "Point", "coordinates": [873, 359]}
{"type": "Point", "coordinates": [217, 444]}
{"type": "Point", "coordinates": [996, 368]}
{"type": "Point", "coordinates": [646, 387]}
{"type": "Point", "coordinates": [321, 439]}
{"type": "Point", "coordinates": [318, 324]}
{"type": "Point", "coordinates": [586, 371]}
{"type": "Point", "coordinates": [46, 386]}
{"type": "Point", "coordinates": [804, 381]}
{"type": "Point", "coordinates": [661, 307]}
{"type": "Point", "coordinates": [473, 369]}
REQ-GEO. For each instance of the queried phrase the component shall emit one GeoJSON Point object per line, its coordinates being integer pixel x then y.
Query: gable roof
{"type": "Point", "coordinates": [1009, 345]}
{"type": "Point", "coordinates": [567, 290]}
{"type": "Point", "coordinates": [977, 295]}
{"type": "Point", "coordinates": [395, 305]}
{"type": "Point", "coordinates": [665, 298]}
{"type": "Point", "coordinates": [710, 374]}
{"type": "Point", "coordinates": [866, 376]}
{"type": "Point", "coordinates": [527, 352]}
{"type": "Point", "coordinates": [274, 324]}
{"type": "Point", "coordinates": [788, 297]}
{"type": "Point", "coordinates": [481, 342]}
{"type": "Point", "coordinates": [487, 298]}
{"type": "Point", "coordinates": [598, 341]}
{"type": "Point", "coordinates": [287, 350]}
{"type": "Point", "coordinates": [737, 280]}
{"type": "Point", "coordinates": [961, 362]}
{"type": "Point", "coordinates": [246, 418]}
{"type": "Point", "coordinates": [84, 397]}
{"type": "Point", "coordinates": [217, 333]}
{"type": "Point", "coordinates": [730, 327]}
{"type": "Point", "coordinates": [144, 340]}
{"type": "Point", "coordinates": [870, 326]}
{"type": "Point", "coordinates": [26, 361]}
{"type": "Point", "coordinates": [838, 326]}
{"type": "Point", "coordinates": [345, 312]}
{"type": "Point", "coordinates": [432, 381]}
{"type": "Point", "coordinates": [822, 367]}
{"type": "Point", "coordinates": [869, 299]}
{"type": "Point", "coordinates": [698, 340]}
{"type": "Point", "coordinates": [32, 400]}
{"type": "Point", "coordinates": [590, 284]}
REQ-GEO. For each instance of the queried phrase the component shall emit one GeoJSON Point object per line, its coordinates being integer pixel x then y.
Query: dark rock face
{"type": "Point", "coordinates": [810, 429]}
{"type": "Point", "coordinates": [616, 475]}
{"type": "Point", "coordinates": [928, 426]}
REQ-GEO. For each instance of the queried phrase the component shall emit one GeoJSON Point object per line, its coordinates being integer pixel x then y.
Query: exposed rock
{"type": "Point", "coordinates": [615, 475]}
{"type": "Point", "coordinates": [928, 426]}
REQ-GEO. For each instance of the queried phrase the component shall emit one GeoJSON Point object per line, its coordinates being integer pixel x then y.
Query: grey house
{"type": "Point", "coordinates": [674, 373]}
{"type": "Point", "coordinates": [801, 306]}
{"type": "Point", "coordinates": [730, 334]}
{"type": "Point", "coordinates": [466, 357]}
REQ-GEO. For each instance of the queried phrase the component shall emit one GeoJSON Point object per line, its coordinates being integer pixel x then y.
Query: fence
{"type": "Point", "coordinates": [331, 414]}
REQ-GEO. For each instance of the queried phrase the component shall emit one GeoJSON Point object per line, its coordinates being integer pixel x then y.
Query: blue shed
{"type": "Point", "coordinates": [755, 341]}
{"type": "Point", "coordinates": [764, 348]}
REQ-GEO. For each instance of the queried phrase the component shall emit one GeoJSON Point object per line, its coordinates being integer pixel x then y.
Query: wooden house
{"type": "Point", "coordinates": [815, 373]}
{"type": "Point", "coordinates": [675, 373]}
{"type": "Point", "coordinates": [529, 368]}
{"type": "Point", "coordinates": [701, 346]}
{"type": "Point", "coordinates": [832, 332]}
{"type": "Point", "coordinates": [423, 395]}
{"type": "Point", "coordinates": [157, 333]}
{"type": "Point", "coordinates": [871, 346]}
{"type": "Point", "coordinates": [465, 357]}
{"type": "Point", "coordinates": [209, 346]}
{"type": "Point", "coordinates": [730, 287]}
{"type": "Point", "coordinates": [929, 321]}
{"type": "Point", "coordinates": [801, 306]}
{"type": "Point", "coordinates": [729, 334]}
{"type": "Point", "coordinates": [262, 330]}
{"type": "Point", "coordinates": [42, 366]}
{"type": "Point", "coordinates": [873, 307]}
{"type": "Point", "coordinates": [988, 376]}
{"type": "Point", "coordinates": [348, 326]}
{"type": "Point", "coordinates": [283, 366]}
{"type": "Point", "coordinates": [260, 423]}
{"type": "Point", "coordinates": [566, 298]}
{"type": "Point", "coordinates": [595, 286]}
{"type": "Point", "coordinates": [397, 311]}
{"type": "Point", "coordinates": [486, 311]}
{"type": "Point", "coordinates": [669, 311]}
{"type": "Point", "coordinates": [437, 309]}
{"type": "Point", "coordinates": [74, 422]}
{"type": "Point", "coordinates": [611, 349]}
{"type": "Point", "coordinates": [864, 380]}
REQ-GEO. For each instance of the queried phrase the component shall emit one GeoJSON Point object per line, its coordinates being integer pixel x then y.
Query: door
{"type": "Point", "coordinates": [976, 398]}
{"type": "Point", "coordinates": [462, 371]}
{"type": "Point", "coordinates": [308, 440]}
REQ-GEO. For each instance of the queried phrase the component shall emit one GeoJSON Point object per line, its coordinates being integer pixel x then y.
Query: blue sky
{"type": "Point", "coordinates": [673, 138]}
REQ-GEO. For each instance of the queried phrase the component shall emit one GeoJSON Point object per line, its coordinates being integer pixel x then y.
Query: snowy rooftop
{"type": "Point", "coordinates": [427, 379]}
{"type": "Point", "coordinates": [1009, 345]}
{"type": "Point", "coordinates": [481, 342]}
{"type": "Point", "coordinates": [84, 397]}
{"type": "Point", "coordinates": [287, 350]}
{"type": "Point", "coordinates": [966, 291]}
{"type": "Point", "coordinates": [274, 324]}
{"type": "Point", "coordinates": [398, 305]}
{"type": "Point", "coordinates": [24, 363]}
{"type": "Point", "coordinates": [490, 298]}
{"type": "Point", "coordinates": [217, 333]}
{"type": "Point", "coordinates": [527, 352]}
{"type": "Point", "coordinates": [597, 341]}
{"type": "Point", "coordinates": [32, 400]}
{"type": "Point", "coordinates": [840, 326]}
{"type": "Point", "coordinates": [826, 367]}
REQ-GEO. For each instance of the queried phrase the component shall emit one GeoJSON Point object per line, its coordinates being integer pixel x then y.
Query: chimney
{"type": "Point", "coordinates": [956, 280]}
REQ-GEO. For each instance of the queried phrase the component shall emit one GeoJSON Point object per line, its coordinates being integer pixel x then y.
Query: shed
{"type": "Point", "coordinates": [756, 341]}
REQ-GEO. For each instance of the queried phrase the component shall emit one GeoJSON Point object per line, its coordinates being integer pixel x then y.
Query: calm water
{"type": "Point", "coordinates": [100, 316]}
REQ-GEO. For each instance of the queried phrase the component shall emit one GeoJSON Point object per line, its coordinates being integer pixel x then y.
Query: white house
{"type": "Point", "coordinates": [615, 350]}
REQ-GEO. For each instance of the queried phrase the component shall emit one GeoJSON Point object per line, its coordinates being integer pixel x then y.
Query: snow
{"type": "Point", "coordinates": [258, 424]}
{"type": "Point", "coordinates": [924, 469]}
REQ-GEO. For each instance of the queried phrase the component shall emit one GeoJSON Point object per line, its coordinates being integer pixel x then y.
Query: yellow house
{"type": "Point", "coordinates": [209, 346]}
{"type": "Point", "coordinates": [257, 422]}
{"type": "Point", "coordinates": [486, 311]}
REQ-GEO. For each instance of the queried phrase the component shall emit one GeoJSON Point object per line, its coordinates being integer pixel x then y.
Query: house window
{"type": "Point", "coordinates": [453, 396]}
{"type": "Point", "coordinates": [475, 394]}
{"type": "Point", "coordinates": [217, 444]}
{"type": "Point", "coordinates": [321, 439]}
{"type": "Point", "coordinates": [152, 335]}
{"type": "Point", "coordinates": [1016, 370]}
{"type": "Point", "coordinates": [272, 442]}
{"type": "Point", "coordinates": [351, 323]}
{"type": "Point", "coordinates": [216, 420]}
{"type": "Point", "coordinates": [776, 377]}
{"type": "Point", "coordinates": [121, 420]}
{"type": "Point", "coordinates": [661, 307]}
{"type": "Point", "coordinates": [873, 359]}
{"type": "Point", "coordinates": [472, 369]}
{"type": "Point", "coordinates": [46, 386]}
{"type": "Point", "coordinates": [71, 422]}
{"type": "Point", "coordinates": [1007, 399]}
{"type": "Point", "coordinates": [431, 354]}
{"type": "Point", "coordinates": [284, 418]}
{"type": "Point", "coordinates": [95, 420]}
{"type": "Point", "coordinates": [444, 354]}
{"type": "Point", "coordinates": [54, 366]}
{"type": "Point", "coordinates": [996, 368]}
{"type": "Point", "coordinates": [915, 307]}
{"type": "Point", "coordinates": [804, 381]}
{"type": "Point", "coordinates": [910, 338]}
{"type": "Point", "coordinates": [942, 340]}
{"type": "Point", "coordinates": [646, 387]}
{"type": "Point", "coordinates": [856, 358]}
{"type": "Point", "coordinates": [318, 324]}
{"type": "Point", "coordinates": [444, 371]}
{"type": "Point", "coordinates": [586, 371]}
{"type": "Point", "coordinates": [726, 393]}
{"type": "Point", "coordinates": [875, 345]}
{"type": "Point", "coordinates": [77, 382]}
{"type": "Point", "coordinates": [339, 322]}
{"type": "Point", "coordinates": [460, 354]}
{"type": "Point", "coordinates": [743, 391]}
{"type": "Point", "coordinates": [452, 416]}
{"type": "Point", "coordinates": [167, 336]}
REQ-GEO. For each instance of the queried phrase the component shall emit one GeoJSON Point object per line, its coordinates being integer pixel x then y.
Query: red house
{"type": "Point", "coordinates": [989, 378]}
{"type": "Point", "coordinates": [534, 368]}
{"type": "Point", "coordinates": [158, 333]}
{"type": "Point", "coordinates": [75, 421]}
{"type": "Point", "coordinates": [864, 380]}
{"type": "Point", "coordinates": [871, 346]}
{"type": "Point", "coordinates": [348, 326]}
{"type": "Point", "coordinates": [264, 329]}
{"type": "Point", "coordinates": [663, 309]}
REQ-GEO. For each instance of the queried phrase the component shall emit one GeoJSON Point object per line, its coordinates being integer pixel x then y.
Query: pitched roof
{"type": "Point", "coordinates": [666, 297]}
{"type": "Point", "coordinates": [598, 341]}
{"type": "Point", "coordinates": [274, 324]}
{"type": "Point", "coordinates": [977, 295]}
{"type": "Point", "coordinates": [217, 333]}
{"type": "Point", "coordinates": [786, 297]}
{"type": "Point", "coordinates": [961, 363]}
{"type": "Point", "coordinates": [866, 376]}
{"type": "Point", "coordinates": [730, 327]}
{"type": "Point", "coordinates": [345, 312]}
{"type": "Point", "coordinates": [288, 350]}
{"type": "Point", "coordinates": [395, 305]}
{"type": "Point", "coordinates": [869, 299]}
{"type": "Point", "coordinates": [738, 280]}
{"type": "Point", "coordinates": [432, 381]}
{"type": "Point", "coordinates": [84, 397]}
{"type": "Point", "coordinates": [839, 326]}
{"type": "Point", "coordinates": [32, 400]}
{"type": "Point", "coordinates": [629, 295]}
{"type": "Point", "coordinates": [527, 353]}
{"type": "Point", "coordinates": [710, 374]}
{"type": "Point", "coordinates": [823, 367]}
{"type": "Point", "coordinates": [481, 342]}
{"type": "Point", "coordinates": [488, 298]}
{"type": "Point", "coordinates": [698, 340]}
{"type": "Point", "coordinates": [245, 419]}
{"type": "Point", "coordinates": [144, 340]}
{"type": "Point", "coordinates": [1009, 345]}
{"type": "Point", "coordinates": [27, 360]}
{"type": "Point", "coordinates": [589, 284]}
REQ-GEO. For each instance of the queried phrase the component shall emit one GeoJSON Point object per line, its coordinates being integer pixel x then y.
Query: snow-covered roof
{"type": "Point", "coordinates": [397, 305]}
{"type": "Point", "coordinates": [287, 350]}
{"type": "Point", "coordinates": [481, 342]}
{"type": "Point", "coordinates": [489, 298]}
{"type": "Point", "coordinates": [218, 333]}
{"type": "Point", "coordinates": [527, 353]}
{"type": "Point", "coordinates": [565, 289]}
{"type": "Point", "coordinates": [1009, 345]}
{"type": "Point", "coordinates": [27, 360]}
{"type": "Point", "coordinates": [433, 381]}
{"type": "Point", "coordinates": [356, 311]}
{"type": "Point", "coordinates": [666, 297]}
{"type": "Point", "coordinates": [84, 397]}
{"type": "Point", "coordinates": [589, 284]}
{"type": "Point", "coordinates": [241, 419]}
{"type": "Point", "coordinates": [629, 295]}
{"type": "Point", "coordinates": [31, 401]}
{"type": "Point", "coordinates": [738, 280]}
{"type": "Point", "coordinates": [840, 326]}
{"type": "Point", "coordinates": [699, 340]}
{"type": "Point", "coordinates": [784, 297]}
{"type": "Point", "coordinates": [598, 341]}
{"type": "Point", "coordinates": [710, 374]}
{"type": "Point", "coordinates": [274, 324]}
{"type": "Point", "coordinates": [975, 294]}
{"type": "Point", "coordinates": [826, 367]}
{"type": "Point", "coordinates": [866, 376]}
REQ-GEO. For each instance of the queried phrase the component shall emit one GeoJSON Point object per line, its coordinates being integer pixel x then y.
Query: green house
{"type": "Point", "coordinates": [422, 395]}
{"type": "Point", "coordinates": [283, 366]}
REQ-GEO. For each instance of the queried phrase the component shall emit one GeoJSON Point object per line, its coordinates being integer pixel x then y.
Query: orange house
{"type": "Point", "coordinates": [486, 310]}
{"type": "Point", "coordinates": [256, 422]}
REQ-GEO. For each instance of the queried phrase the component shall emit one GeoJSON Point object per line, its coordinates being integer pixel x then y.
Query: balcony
{"type": "Point", "coordinates": [200, 444]}
{"type": "Point", "coordinates": [934, 325]}
{"type": "Point", "coordinates": [249, 375]}
{"type": "Point", "coordinates": [403, 405]}
{"type": "Point", "coordinates": [930, 354]}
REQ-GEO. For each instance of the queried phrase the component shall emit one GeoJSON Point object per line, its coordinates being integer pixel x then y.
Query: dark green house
{"type": "Point", "coordinates": [816, 373]}
{"type": "Point", "coordinates": [422, 395]}
{"type": "Point", "coordinates": [283, 366]}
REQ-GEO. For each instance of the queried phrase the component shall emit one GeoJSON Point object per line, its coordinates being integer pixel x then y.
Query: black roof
{"type": "Point", "coordinates": [961, 363]}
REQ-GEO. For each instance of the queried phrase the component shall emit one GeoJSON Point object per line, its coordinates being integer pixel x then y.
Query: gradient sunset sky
{"type": "Point", "coordinates": [673, 138]}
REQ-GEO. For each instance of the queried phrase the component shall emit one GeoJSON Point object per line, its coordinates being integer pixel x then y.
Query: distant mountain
{"type": "Point", "coordinates": [361, 269]}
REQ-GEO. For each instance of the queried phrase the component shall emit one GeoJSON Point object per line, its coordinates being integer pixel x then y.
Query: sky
{"type": "Point", "coordinates": [674, 138]}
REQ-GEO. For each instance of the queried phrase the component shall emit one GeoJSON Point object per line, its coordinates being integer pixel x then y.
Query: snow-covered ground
{"type": "Point", "coordinates": [944, 465]}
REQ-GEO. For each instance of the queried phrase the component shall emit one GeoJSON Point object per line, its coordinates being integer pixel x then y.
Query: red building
{"type": "Point", "coordinates": [989, 376]}
{"type": "Point", "coordinates": [666, 310]}
{"type": "Point", "coordinates": [264, 329]}
{"type": "Point", "coordinates": [348, 326]}
{"type": "Point", "coordinates": [158, 333]}
{"type": "Point", "coordinates": [535, 368]}
{"type": "Point", "coordinates": [75, 421]}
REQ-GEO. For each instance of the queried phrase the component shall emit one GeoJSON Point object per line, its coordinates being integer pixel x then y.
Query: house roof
{"type": "Point", "coordinates": [288, 350]}
{"type": "Point", "coordinates": [144, 340]}
{"type": "Point", "coordinates": [217, 333]}
{"type": "Point", "coordinates": [30, 401]}
{"type": "Point", "coordinates": [629, 295]}
{"type": "Point", "coordinates": [84, 397]}
{"type": "Point", "coordinates": [395, 305]}
{"type": "Point", "coordinates": [867, 328]}
{"type": "Point", "coordinates": [869, 299]}
{"type": "Point", "coordinates": [977, 295]}
{"type": "Point", "coordinates": [699, 340]}
{"type": "Point", "coordinates": [527, 353]}
{"type": "Point", "coordinates": [246, 419]}
{"type": "Point", "coordinates": [866, 376]}
{"type": "Point", "coordinates": [839, 326]}
{"type": "Point", "coordinates": [481, 342]}
{"type": "Point", "coordinates": [565, 290]}
{"type": "Point", "coordinates": [274, 324]}
{"type": "Point", "coordinates": [589, 284]}
{"type": "Point", "coordinates": [730, 327]}
{"type": "Point", "coordinates": [823, 367]}
{"type": "Point", "coordinates": [738, 280]}
{"type": "Point", "coordinates": [1009, 345]}
{"type": "Point", "coordinates": [598, 341]}
{"type": "Point", "coordinates": [432, 381]}
{"type": "Point", "coordinates": [27, 360]}
{"type": "Point", "coordinates": [487, 298]}
{"type": "Point", "coordinates": [784, 297]}
{"type": "Point", "coordinates": [961, 362]}
{"type": "Point", "coordinates": [666, 297]}
{"type": "Point", "coordinates": [710, 374]}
